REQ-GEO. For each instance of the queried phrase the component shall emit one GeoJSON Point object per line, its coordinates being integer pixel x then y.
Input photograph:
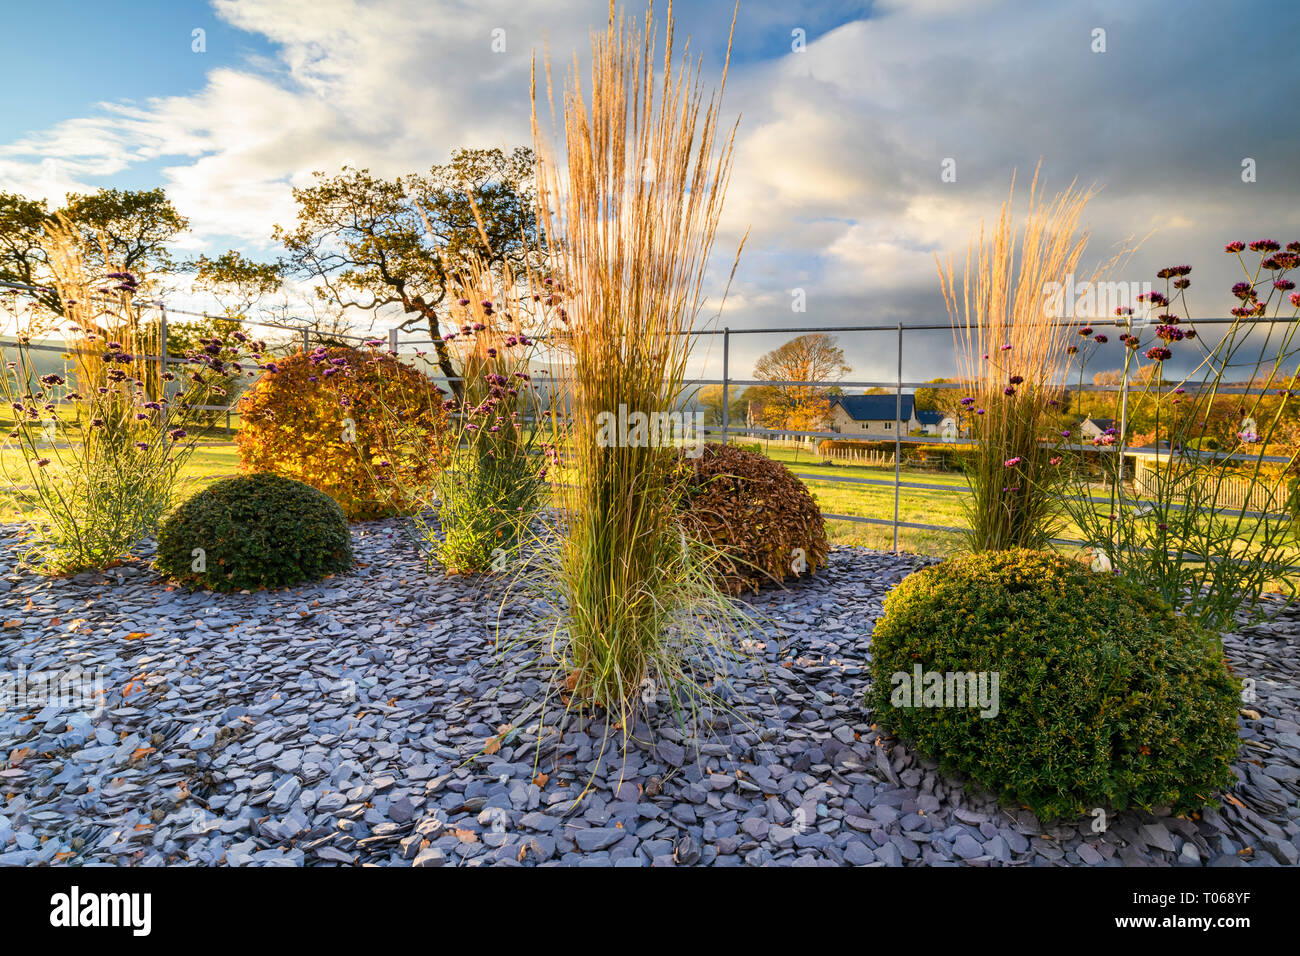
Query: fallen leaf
{"type": "Point", "coordinates": [494, 743]}
{"type": "Point", "coordinates": [16, 757]}
{"type": "Point", "coordinates": [541, 780]}
{"type": "Point", "coordinates": [136, 635]}
{"type": "Point", "coordinates": [140, 752]}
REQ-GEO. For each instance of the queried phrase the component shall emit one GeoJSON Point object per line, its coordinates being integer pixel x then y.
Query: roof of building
{"type": "Point", "coordinates": [1102, 423]}
{"type": "Point", "coordinates": [862, 408]}
{"type": "Point", "coordinates": [926, 417]}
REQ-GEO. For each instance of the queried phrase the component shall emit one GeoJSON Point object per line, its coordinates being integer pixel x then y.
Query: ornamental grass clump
{"type": "Point", "coordinates": [1204, 517]}
{"type": "Point", "coordinates": [98, 449]}
{"type": "Point", "coordinates": [636, 200]}
{"type": "Point", "coordinates": [490, 493]}
{"type": "Point", "coordinates": [1013, 353]}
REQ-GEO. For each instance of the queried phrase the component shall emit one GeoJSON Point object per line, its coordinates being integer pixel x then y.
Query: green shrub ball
{"type": "Point", "coordinates": [255, 531]}
{"type": "Point", "coordinates": [1107, 698]}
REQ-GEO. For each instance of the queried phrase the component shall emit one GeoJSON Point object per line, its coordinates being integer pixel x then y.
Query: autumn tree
{"type": "Point", "coordinates": [23, 258]}
{"type": "Point", "coordinates": [372, 243]}
{"type": "Point", "coordinates": [125, 230]}
{"type": "Point", "coordinates": [945, 400]}
{"type": "Point", "coordinates": [813, 360]}
{"type": "Point", "coordinates": [709, 400]}
{"type": "Point", "coordinates": [1144, 386]}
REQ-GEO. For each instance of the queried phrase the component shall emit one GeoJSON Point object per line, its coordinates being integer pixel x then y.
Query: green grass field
{"type": "Point", "coordinates": [216, 456]}
{"type": "Point", "coordinates": [211, 460]}
{"type": "Point", "coordinates": [915, 505]}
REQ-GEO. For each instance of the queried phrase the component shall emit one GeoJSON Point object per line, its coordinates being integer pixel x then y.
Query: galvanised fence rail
{"type": "Point", "coordinates": [898, 386]}
{"type": "Point", "coordinates": [303, 332]}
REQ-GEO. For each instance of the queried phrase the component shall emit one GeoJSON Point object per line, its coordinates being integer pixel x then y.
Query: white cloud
{"type": "Point", "coordinates": [839, 150]}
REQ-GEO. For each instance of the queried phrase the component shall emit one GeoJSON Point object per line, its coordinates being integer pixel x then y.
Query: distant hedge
{"type": "Point", "coordinates": [948, 453]}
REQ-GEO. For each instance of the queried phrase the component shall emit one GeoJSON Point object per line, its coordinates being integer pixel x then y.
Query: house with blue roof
{"type": "Point", "coordinates": [878, 416]}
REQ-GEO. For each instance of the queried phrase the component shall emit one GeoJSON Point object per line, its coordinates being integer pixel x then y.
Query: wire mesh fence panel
{"type": "Point", "coordinates": [903, 501]}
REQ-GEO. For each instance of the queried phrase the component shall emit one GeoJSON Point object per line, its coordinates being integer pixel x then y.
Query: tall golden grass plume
{"type": "Point", "coordinates": [628, 211]}
{"type": "Point", "coordinates": [93, 319]}
{"type": "Point", "coordinates": [1002, 292]}
{"type": "Point", "coordinates": [1013, 354]}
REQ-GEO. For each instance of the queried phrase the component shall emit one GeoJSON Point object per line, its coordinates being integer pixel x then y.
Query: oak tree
{"type": "Point", "coordinates": [372, 243]}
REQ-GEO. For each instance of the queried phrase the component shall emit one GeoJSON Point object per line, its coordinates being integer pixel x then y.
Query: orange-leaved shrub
{"type": "Point", "coordinates": [762, 520]}
{"type": "Point", "coordinates": [365, 428]}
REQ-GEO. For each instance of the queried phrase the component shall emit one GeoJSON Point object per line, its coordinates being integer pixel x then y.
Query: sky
{"type": "Point", "coordinates": [849, 115]}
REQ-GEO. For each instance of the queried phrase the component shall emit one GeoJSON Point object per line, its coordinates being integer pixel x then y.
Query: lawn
{"type": "Point", "coordinates": [915, 505]}
{"type": "Point", "coordinates": [216, 457]}
{"type": "Point", "coordinates": [211, 460]}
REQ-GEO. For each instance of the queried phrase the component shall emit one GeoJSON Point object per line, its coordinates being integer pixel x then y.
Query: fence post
{"type": "Point", "coordinates": [726, 379]}
{"type": "Point", "coordinates": [162, 362]}
{"type": "Point", "coordinates": [898, 432]}
{"type": "Point", "coordinates": [1123, 429]}
{"type": "Point", "coordinates": [392, 340]}
{"type": "Point", "coordinates": [306, 340]}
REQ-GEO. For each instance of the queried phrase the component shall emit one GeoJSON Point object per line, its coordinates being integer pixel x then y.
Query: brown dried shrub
{"type": "Point", "coordinates": [761, 518]}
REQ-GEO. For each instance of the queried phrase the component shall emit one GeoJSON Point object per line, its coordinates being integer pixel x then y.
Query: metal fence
{"type": "Point", "coordinates": [302, 331]}
{"type": "Point", "coordinates": [298, 330]}
{"type": "Point", "coordinates": [898, 386]}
